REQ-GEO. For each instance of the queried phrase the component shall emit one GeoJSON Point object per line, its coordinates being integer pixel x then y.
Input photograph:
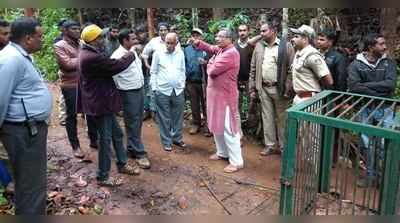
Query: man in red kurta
{"type": "Point", "coordinates": [222, 98]}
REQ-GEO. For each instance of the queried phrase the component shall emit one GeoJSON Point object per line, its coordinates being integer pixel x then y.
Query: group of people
{"type": "Point", "coordinates": [106, 71]}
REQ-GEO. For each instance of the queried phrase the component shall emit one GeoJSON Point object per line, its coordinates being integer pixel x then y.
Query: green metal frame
{"type": "Point", "coordinates": [389, 189]}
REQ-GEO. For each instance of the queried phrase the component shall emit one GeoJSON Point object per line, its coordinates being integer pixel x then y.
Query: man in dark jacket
{"type": "Point", "coordinates": [336, 62]}
{"type": "Point", "coordinates": [66, 52]}
{"type": "Point", "coordinates": [245, 46]}
{"type": "Point", "coordinates": [373, 73]}
{"type": "Point", "coordinates": [100, 98]}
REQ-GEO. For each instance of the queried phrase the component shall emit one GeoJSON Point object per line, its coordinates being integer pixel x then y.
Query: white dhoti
{"type": "Point", "coordinates": [228, 144]}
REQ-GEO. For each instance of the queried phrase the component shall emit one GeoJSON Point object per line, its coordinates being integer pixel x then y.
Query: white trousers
{"type": "Point", "coordinates": [228, 144]}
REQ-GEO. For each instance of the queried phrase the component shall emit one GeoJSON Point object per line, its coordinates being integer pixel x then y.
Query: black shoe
{"type": "Point", "coordinates": [180, 144]}
{"type": "Point", "coordinates": [146, 115]}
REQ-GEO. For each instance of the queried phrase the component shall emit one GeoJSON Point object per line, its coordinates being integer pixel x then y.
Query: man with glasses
{"type": "Point", "coordinates": [222, 98]}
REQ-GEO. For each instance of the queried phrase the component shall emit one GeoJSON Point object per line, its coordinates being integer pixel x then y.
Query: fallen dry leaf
{"type": "Point", "coordinates": [52, 194]}
{"type": "Point", "coordinates": [83, 210]}
{"type": "Point", "coordinates": [81, 182]}
{"type": "Point", "coordinates": [84, 200]}
{"type": "Point", "coordinates": [106, 191]}
{"type": "Point", "coordinates": [182, 202]}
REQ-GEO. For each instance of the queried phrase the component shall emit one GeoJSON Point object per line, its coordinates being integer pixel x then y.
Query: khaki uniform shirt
{"type": "Point", "coordinates": [270, 62]}
{"type": "Point", "coordinates": [308, 67]}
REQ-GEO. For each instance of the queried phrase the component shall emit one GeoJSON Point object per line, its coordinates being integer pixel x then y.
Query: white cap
{"type": "Point", "coordinates": [197, 30]}
{"type": "Point", "coordinates": [304, 30]}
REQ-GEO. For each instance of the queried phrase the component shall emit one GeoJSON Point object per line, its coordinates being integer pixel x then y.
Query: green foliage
{"type": "Point", "coordinates": [49, 18]}
{"type": "Point", "coordinates": [232, 23]}
{"type": "Point", "coordinates": [45, 58]}
{"type": "Point", "coordinates": [299, 16]}
{"type": "Point", "coordinates": [3, 200]}
{"type": "Point", "coordinates": [10, 14]}
{"type": "Point", "coordinates": [397, 91]}
{"type": "Point", "coordinates": [184, 26]}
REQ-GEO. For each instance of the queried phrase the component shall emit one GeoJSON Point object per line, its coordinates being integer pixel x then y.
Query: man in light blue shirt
{"type": "Point", "coordinates": [168, 82]}
{"type": "Point", "coordinates": [22, 86]}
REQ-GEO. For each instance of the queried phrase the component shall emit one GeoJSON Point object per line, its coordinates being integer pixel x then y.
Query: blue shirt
{"type": "Point", "coordinates": [168, 72]}
{"type": "Point", "coordinates": [193, 69]}
{"type": "Point", "coordinates": [20, 79]}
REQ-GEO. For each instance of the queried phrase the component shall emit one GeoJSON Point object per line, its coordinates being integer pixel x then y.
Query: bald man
{"type": "Point", "coordinates": [168, 82]}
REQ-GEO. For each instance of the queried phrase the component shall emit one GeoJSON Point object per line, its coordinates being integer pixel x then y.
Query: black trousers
{"type": "Point", "coordinates": [28, 157]}
{"type": "Point", "coordinates": [197, 102]}
{"type": "Point", "coordinates": [71, 122]}
{"type": "Point", "coordinates": [92, 129]}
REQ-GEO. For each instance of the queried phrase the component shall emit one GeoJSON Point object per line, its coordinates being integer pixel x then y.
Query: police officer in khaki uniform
{"type": "Point", "coordinates": [309, 68]}
{"type": "Point", "coordinates": [272, 85]}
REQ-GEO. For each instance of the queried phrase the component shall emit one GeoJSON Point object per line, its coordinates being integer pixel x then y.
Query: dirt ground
{"type": "Point", "coordinates": [179, 182]}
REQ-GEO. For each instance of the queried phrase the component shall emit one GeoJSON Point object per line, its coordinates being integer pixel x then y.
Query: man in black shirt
{"type": "Point", "coordinates": [336, 62]}
{"type": "Point", "coordinates": [245, 46]}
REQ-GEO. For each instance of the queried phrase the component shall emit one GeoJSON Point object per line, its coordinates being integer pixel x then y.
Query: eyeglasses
{"type": "Point", "coordinates": [220, 36]}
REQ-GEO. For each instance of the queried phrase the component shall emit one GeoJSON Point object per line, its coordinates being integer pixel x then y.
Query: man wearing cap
{"type": "Point", "coordinates": [130, 84]}
{"type": "Point", "coordinates": [66, 52]}
{"type": "Point", "coordinates": [60, 26]}
{"type": "Point", "coordinates": [168, 83]}
{"type": "Point", "coordinates": [100, 98]}
{"type": "Point", "coordinates": [309, 67]}
{"type": "Point", "coordinates": [194, 60]}
{"type": "Point", "coordinates": [271, 80]}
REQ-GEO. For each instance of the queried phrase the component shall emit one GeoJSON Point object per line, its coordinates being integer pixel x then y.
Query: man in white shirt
{"type": "Point", "coordinates": [168, 82]}
{"type": "Point", "coordinates": [155, 44]}
{"type": "Point", "coordinates": [130, 84]}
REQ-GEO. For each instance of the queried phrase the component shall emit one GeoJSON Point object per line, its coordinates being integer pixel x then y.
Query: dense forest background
{"type": "Point", "coordinates": [352, 23]}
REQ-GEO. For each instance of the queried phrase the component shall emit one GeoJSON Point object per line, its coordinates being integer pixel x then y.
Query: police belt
{"type": "Point", "coordinates": [305, 94]}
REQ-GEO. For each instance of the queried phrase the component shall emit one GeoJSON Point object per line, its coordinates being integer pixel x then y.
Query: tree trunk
{"type": "Point", "coordinates": [80, 16]}
{"type": "Point", "coordinates": [195, 18]}
{"type": "Point", "coordinates": [218, 13]}
{"type": "Point", "coordinates": [131, 14]}
{"type": "Point", "coordinates": [29, 12]}
{"type": "Point", "coordinates": [285, 22]}
{"type": "Point", "coordinates": [150, 22]}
